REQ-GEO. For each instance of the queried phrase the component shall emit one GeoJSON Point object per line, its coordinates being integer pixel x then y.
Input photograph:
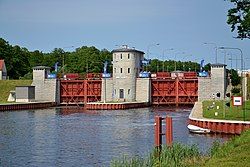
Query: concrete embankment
{"type": "Point", "coordinates": [217, 126]}
{"type": "Point", "coordinates": [115, 106]}
{"type": "Point", "coordinates": [26, 106]}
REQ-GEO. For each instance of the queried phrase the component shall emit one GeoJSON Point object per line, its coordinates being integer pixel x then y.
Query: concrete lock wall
{"type": "Point", "coordinates": [47, 90]}
{"type": "Point", "coordinates": [218, 80]}
{"type": "Point", "coordinates": [204, 88]}
{"type": "Point", "coordinates": [208, 87]}
{"type": "Point", "coordinates": [143, 90]}
{"type": "Point", "coordinates": [107, 90]}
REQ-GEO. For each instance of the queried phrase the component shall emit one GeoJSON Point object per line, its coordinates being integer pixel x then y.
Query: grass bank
{"type": "Point", "coordinates": [7, 85]}
{"type": "Point", "coordinates": [177, 155]}
{"type": "Point", "coordinates": [219, 110]}
{"type": "Point", "coordinates": [248, 88]}
{"type": "Point", "coordinates": [235, 152]}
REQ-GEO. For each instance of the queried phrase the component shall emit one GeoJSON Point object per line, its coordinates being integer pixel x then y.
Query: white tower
{"type": "Point", "coordinates": [218, 79]}
{"type": "Point", "coordinates": [127, 64]}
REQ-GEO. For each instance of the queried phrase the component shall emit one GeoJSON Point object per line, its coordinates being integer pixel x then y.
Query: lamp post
{"type": "Point", "coordinates": [149, 46]}
{"type": "Point", "coordinates": [241, 54]}
{"type": "Point", "coordinates": [231, 58]}
{"type": "Point", "coordinates": [195, 61]}
{"type": "Point", "coordinates": [241, 58]}
{"type": "Point", "coordinates": [245, 62]}
{"type": "Point", "coordinates": [163, 58]}
{"type": "Point", "coordinates": [64, 57]}
{"type": "Point", "coordinates": [175, 59]}
{"type": "Point", "coordinates": [216, 48]}
{"type": "Point", "coordinates": [184, 66]}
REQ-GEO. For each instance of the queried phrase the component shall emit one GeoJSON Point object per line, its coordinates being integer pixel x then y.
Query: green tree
{"type": "Point", "coordinates": [235, 78]}
{"type": "Point", "coordinates": [16, 59]}
{"type": "Point", "coordinates": [207, 67]}
{"type": "Point", "coordinates": [36, 58]}
{"type": "Point", "coordinates": [57, 55]}
{"type": "Point", "coordinates": [20, 62]}
{"type": "Point", "coordinates": [239, 18]}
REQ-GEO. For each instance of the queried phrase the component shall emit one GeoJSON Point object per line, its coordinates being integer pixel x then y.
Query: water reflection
{"type": "Point", "coordinates": [76, 137]}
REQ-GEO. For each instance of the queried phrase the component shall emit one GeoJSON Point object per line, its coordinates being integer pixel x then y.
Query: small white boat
{"type": "Point", "coordinates": [196, 129]}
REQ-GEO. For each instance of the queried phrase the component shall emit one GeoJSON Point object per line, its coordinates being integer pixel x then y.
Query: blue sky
{"type": "Point", "coordinates": [183, 25]}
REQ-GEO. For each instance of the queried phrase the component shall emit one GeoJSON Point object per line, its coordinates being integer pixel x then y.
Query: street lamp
{"type": "Point", "coordinates": [241, 57]}
{"type": "Point", "coordinates": [163, 58]}
{"type": "Point", "coordinates": [183, 61]}
{"type": "Point", "coordinates": [195, 67]}
{"type": "Point", "coordinates": [216, 48]}
{"type": "Point", "coordinates": [245, 63]}
{"type": "Point", "coordinates": [231, 59]}
{"type": "Point", "coordinates": [149, 46]}
{"type": "Point", "coordinates": [175, 59]}
{"type": "Point", "coordinates": [241, 54]}
{"type": "Point", "coordinates": [63, 57]}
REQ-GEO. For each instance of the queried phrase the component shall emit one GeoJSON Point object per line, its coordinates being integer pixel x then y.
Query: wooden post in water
{"type": "Point", "coordinates": [158, 131]}
{"type": "Point", "coordinates": [169, 131]}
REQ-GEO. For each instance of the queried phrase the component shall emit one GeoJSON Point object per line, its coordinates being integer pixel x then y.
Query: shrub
{"type": "Point", "coordinates": [235, 91]}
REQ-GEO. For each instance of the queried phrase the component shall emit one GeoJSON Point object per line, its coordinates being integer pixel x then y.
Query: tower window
{"type": "Point", "coordinates": [121, 56]}
{"type": "Point", "coordinates": [121, 70]}
{"type": "Point", "coordinates": [115, 70]}
{"type": "Point", "coordinates": [128, 70]}
{"type": "Point", "coordinates": [128, 91]}
{"type": "Point", "coordinates": [128, 56]}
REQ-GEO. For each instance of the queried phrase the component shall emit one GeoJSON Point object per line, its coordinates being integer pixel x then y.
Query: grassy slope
{"type": "Point", "coordinates": [248, 88]}
{"type": "Point", "coordinates": [233, 153]}
{"type": "Point", "coordinates": [7, 85]}
{"type": "Point", "coordinates": [231, 113]}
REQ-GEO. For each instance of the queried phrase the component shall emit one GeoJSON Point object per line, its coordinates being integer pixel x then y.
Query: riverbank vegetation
{"type": "Point", "coordinates": [235, 152]}
{"type": "Point", "coordinates": [248, 88]}
{"type": "Point", "coordinates": [224, 110]}
{"type": "Point", "coordinates": [7, 85]}
{"type": "Point", "coordinates": [177, 155]}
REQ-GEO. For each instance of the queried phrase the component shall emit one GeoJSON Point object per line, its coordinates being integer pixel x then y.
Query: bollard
{"type": "Point", "coordinates": [158, 131]}
{"type": "Point", "coordinates": [169, 131]}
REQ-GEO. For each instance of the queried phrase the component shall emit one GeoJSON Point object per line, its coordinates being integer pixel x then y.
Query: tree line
{"type": "Point", "coordinates": [20, 61]}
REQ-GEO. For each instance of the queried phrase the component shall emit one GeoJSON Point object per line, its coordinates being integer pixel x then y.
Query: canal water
{"type": "Point", "coordinates": [73, 137]}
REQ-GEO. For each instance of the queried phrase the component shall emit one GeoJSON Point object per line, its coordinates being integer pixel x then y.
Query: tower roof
{"type": "Point", "coordinates": [40, 68]}
{"type": "Point", "coordinates": [218, 65]}
{"type": "Point", "coordinates": [126, 50]}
